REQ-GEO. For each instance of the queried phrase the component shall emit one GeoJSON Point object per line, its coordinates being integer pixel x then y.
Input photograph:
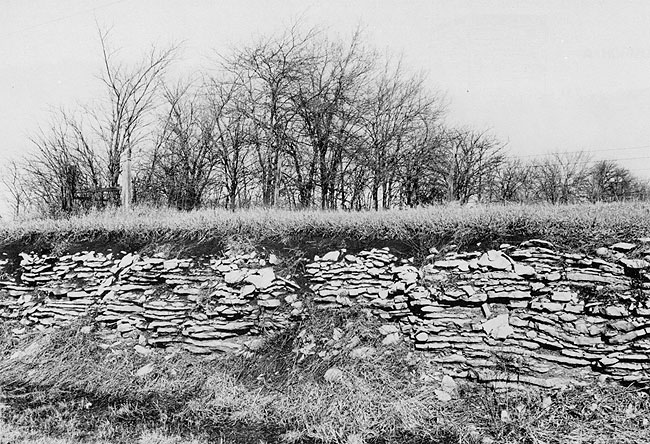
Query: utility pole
{"type": "Point", "coordinates": [127, 183]}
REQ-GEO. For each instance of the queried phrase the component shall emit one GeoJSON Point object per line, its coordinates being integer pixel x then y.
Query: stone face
{"type": "Point", "coordinates": [541, 311]}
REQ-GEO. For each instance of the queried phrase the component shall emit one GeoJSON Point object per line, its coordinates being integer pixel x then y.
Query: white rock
{"type": "Point", "coordinates": [623, 246]}
{"type": "Point", "coordinates": [235, 276]}
{"type": "Point", "coordinates": [602, 251]}
{"type": "Point", "coordinates": [422, 336]}
{"type": "Point", "coordinates": [448, 384]}
{"type": "Point", "coordinates": [170, 264]}
{"type": "Point", "coordinates": [145, 370]}
{"type": "Point", "coordinates": [388, 329]}
{"type": "Point", "coordinates": [442, 395]}
{"type": "Point", "coordinates": [332, 256]}
{"type": "Point", "coordinates": [247, 290]}
{"type": "Point", "coordinates": [498, 327]}
{"type": "Point", "coordinates": [362, 352]}
{"type": "Point", "coordinates": [634, 264]}
{"type": "Point", "coordinates": [333, 375]}
{"type": "Point", "coordinates": [391, 339]}
{"type": "Point", "coordinates": [262, 279]}
{"type": "Point", "coordinates": [142, 350]}
{"type": "Point", "coordinates": [524, 270]}
{"type": "Point", "coordinates": [496, 260]}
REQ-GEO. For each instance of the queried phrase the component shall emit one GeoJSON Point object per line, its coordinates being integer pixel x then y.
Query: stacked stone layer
{"type": "Point", "coordinates": [527, 314]}
{"type": "Point", "coordinates": [203, 306]}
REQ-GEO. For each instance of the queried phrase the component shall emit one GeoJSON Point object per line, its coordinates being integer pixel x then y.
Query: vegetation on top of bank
{"type": "Point", "coordinates": [580, 227]}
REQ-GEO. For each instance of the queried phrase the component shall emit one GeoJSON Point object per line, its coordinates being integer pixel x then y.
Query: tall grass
{"type": "Point", "coordinates": [581, 226]}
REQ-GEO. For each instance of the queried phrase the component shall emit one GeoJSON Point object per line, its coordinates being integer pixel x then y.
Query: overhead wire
{"type": "Point", "coordinates": [59, 19]}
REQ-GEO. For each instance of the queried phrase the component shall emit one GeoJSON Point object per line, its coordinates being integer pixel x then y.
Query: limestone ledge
{"type": "Point", "coordinates": [529, 313]}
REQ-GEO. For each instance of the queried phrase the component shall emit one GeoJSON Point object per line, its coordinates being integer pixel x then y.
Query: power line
{"type": "Point", "coordinates": [586, 151]}
{"type": "Point", "coordinates": [30, 28]}
{"type": "Point", "coordinates": [587, 161]}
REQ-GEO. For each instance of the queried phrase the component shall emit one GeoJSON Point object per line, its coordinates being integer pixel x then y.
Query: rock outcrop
{"type": "Point", "coordinates": [528, 314]}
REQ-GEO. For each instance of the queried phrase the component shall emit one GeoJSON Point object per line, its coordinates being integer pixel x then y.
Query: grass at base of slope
{"type": "Point", "coordinates": [66, 388]}
{"type": "Point", "coordinates": [580, 227]}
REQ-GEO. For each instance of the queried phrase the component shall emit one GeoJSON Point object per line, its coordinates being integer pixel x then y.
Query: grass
{"type": "Point", "coordinates": [412, 231]}
{"type": "Point", "coordinates": [70, 390]}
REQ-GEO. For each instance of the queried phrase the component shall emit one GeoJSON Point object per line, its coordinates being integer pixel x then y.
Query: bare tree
{"type": "Point", "coordinates": [326, 100]}
{"type": "Point", "coordinates": [268, 71]}
{"type": "Point", "coordinates": [393, 108]}
{"type": "Point", "coordinates": [187, 158]}
{"type": "Point", "coordinates": [611, 182]}
{"type": "Point", "coordinates": [563, 177]}
{"type": "Point", "coordinates": [472, 158]}
{"type": "Point", "coordinates": [53, 170]}
{"type": "Point", "coordinates": [422, 172]}
{"type": "Point", "coordinates": [14, 183]}
{"type": "Point", "coordinates": [512, 182]}
{"type": "Point", "coordinates": [231, 136]}
{"type": "Point", "coordinates": [131, 96]}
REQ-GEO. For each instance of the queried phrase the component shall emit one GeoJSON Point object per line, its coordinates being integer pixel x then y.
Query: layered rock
{"type": "Point", "coordinates": [528, 314]}
{"type": "Point", "coordinates": [204, 306]}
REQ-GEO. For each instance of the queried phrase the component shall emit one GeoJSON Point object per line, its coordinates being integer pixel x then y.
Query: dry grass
{"type": "Point", "coordinates": [582, 227]}
{"type": "Point", "coordinates": [69, 391]}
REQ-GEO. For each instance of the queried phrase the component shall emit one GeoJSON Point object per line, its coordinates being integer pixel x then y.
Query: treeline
{"type": "Point", "coordinates": [295, 121]}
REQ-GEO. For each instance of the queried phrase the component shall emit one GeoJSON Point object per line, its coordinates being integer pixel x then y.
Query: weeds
{"type": "Point", "coordinates": [411, 231]}
{"type": "Point", "coordinates": [69, 389]}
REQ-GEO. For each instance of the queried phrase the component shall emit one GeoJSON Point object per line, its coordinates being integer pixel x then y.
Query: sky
{"type": "Point", "coordinates": [542, 76]}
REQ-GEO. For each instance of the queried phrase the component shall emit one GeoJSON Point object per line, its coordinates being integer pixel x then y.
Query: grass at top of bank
{"type": "Point", "coordinates": [578, 227]}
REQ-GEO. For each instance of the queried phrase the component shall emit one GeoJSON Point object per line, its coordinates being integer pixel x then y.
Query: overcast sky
{"type": "Point", "coordinates": [545, 76]}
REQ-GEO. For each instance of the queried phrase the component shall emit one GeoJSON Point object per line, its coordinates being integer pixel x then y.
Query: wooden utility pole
{"type": "Point", "coordinates": [127, 183]}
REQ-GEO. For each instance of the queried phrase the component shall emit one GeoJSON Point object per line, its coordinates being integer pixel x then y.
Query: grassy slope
{"type": "Point", "coordinates": [72, 390]}
{"type": "Point", "coordinates": [581, 227]}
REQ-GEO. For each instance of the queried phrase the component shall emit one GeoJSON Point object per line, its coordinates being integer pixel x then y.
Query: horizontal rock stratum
{"type": "Point", "coordinates": [526, 314]}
